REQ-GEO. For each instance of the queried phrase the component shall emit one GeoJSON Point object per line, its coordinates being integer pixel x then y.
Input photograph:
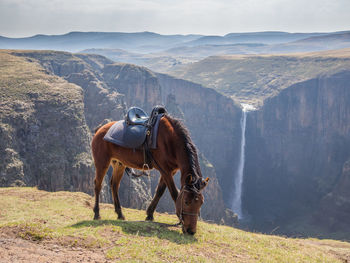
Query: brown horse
{"type": "Point", "coordinates": [175, 151]}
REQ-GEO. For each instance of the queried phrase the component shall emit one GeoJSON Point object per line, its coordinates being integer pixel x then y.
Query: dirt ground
{"type": "Point", "coordinates": [13, 249]}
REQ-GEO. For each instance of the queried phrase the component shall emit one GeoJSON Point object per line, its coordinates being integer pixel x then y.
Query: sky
{"type": "Point", "coordinates": [22, 18]}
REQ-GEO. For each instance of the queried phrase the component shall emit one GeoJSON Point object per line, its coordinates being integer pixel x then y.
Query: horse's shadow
{"type": "Point", "coordinates": [142, 228]}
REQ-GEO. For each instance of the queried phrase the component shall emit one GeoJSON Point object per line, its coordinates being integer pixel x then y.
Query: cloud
{"type": "Point", "coordinates": [28, 17]}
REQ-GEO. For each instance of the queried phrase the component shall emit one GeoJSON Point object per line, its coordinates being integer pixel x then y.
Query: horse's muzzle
{"type": "Point", "coordinates": [188, 231]}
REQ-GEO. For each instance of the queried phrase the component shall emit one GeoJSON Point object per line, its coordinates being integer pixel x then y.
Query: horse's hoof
{"type": "Point", "coordinates": [97, 217]}
{"type": "Point", "coordinates": [149, 218]}
{"type": "Point", "coordinates": [122, 217]}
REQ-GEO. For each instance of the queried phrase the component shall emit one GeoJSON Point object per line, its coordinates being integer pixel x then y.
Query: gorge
{"type": "Point", "coordinates": [293, 149]}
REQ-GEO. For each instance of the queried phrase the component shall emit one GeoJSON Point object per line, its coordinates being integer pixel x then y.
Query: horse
{"type": "Point", "coordinates": [175, 152]}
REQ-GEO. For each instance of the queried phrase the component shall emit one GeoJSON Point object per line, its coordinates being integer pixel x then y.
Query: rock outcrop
{"type": "Point", "coordinates": [44, 137]}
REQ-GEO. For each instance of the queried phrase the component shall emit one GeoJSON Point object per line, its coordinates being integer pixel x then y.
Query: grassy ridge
{"type": "Point", "coordinates": [65, 219]}
{"type": "Point", "coordinates": [253, 78]}
{"type": "Point", "coordinates": [23, 79]}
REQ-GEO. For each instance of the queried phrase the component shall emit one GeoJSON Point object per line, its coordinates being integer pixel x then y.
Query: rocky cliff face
{"type": "Point", "coordinates": [102, 102]}
{"type": "Point", "coordinates": [44, 136]}
{"type": "Point", "coordinates": [139, 85]}
{"type": "Point", "coordinates": [334, 209]}
{"type": "Point", "coordinates": [297, 147]}
{"type": "Point", "coordinates": [213, 120]}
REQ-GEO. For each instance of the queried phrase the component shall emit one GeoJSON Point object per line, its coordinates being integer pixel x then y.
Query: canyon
{"type": "Point", "coordinates": [297, 143]}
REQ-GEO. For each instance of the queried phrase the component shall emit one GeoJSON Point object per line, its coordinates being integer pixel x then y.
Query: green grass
{"type": "Point", "coordinates": [65, 218]}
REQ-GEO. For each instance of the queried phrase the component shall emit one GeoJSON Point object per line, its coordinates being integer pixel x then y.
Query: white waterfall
{"type": "Point", "coordinates": [237, 190]}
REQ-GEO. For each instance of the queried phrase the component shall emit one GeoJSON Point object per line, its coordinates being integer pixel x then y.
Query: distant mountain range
{"type": "Point", "coordinates": [75, 41]}
{"type": "Point", "coordinates": [267, 37]}
{"type": "Point", "coordinates": [146, 42]}
{"type": "Point", "coordinates": [176, 57]}
{"type": "Point", "coordinates": [165, 53]}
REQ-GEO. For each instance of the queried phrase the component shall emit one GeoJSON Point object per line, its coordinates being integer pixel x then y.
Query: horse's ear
{"type": "Point", "coordinates": [204, 183]}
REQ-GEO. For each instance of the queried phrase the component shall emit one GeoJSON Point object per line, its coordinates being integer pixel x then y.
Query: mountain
{"type": "Point", "coordinates": [158, 62]}
{"type": "Point", "coordinates": [328, 38]}
{"type": "Point", "coordinates": [165, 53]}
{"type": "Point", "coordinates": [308, 44]}
{"type": "Point", "coordinates": [174, 57]}
{"type": "Point", "coordinates": [253, 78]}
{"type": "Point", "coordinates": [143, 42]}
{"type": "Point", "coordinates": [267, 37]}
{"type": "Point", "coordinates": [75, 41]}
{"type": "Point", "coordinates": [332, 41]}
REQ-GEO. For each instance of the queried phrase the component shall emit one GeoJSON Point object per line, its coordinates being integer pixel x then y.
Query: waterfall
{"type": "Point", "coordinates": [237, 190]}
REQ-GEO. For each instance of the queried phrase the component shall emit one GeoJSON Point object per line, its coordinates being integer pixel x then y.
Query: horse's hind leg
{"type": "Point", "coordinates": [118, 171]}
{"type": "Point", "coordinates": [101, 169]}
{"type": "Point", "coordinates": [159, 192]}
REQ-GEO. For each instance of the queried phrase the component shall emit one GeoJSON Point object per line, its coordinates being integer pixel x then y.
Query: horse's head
{"type": "Point", "coordinates": [189, 202]}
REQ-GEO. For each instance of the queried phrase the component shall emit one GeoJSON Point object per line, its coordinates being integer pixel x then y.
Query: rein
{"type": "Point", "coordinates": [182, 212]}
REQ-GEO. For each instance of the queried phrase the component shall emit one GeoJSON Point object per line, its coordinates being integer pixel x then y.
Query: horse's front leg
{"type": "Point", "coordinates": [172, 187]}
{"type": "Point", "coordinates": [118, 171]}
{"type": "Point", "coordinates": [159, 192]}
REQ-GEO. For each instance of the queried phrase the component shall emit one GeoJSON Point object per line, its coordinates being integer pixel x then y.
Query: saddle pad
{"type": "Point", "coordinates": [131, 136]}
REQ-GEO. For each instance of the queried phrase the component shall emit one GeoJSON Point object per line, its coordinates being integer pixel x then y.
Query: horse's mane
{"type": "Point", "coordinates": [190, 148]}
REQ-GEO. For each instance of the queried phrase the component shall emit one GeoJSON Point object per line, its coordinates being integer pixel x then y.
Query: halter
{"type": "Point", "coordinates": [182, 212]}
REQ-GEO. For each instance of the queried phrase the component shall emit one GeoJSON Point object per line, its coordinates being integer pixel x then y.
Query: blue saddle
{"type": "Point", "coordinates": [132, 132]}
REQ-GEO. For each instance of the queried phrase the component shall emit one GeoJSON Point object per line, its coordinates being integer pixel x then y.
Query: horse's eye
{"type": "Point", "coordinates": [196, 198]}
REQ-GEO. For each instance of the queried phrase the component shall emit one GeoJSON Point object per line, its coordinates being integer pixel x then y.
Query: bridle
{"type": "Point", "coordinates": [189, 189]}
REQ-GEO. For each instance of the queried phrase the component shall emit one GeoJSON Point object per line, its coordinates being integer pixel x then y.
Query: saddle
{"type": "Point", "coordinates": [137, 129]}
{"type": "Point", "coordinates": [136, 116]}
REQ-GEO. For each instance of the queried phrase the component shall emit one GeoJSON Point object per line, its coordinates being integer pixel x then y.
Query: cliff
{"type": "Point", "coordinates": [213, 120]}
{"type": "Point", "coordinates": [334, 209]}
{"type": "Point", "coordinates": [44, 136]}
{"type": "Point", "coordinates": [297, 148]}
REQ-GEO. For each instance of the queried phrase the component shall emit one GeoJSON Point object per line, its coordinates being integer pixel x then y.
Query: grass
{"type": "Point", "coordinates": [23, 82]}
{"type": "Point", "coordinates": [65, 218]}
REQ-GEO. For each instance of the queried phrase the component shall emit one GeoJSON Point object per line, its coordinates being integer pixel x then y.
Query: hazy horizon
{"type": "Point", "coordinates": [25, 18]}
{"type": "Point", "coordinates": [241, 32]}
